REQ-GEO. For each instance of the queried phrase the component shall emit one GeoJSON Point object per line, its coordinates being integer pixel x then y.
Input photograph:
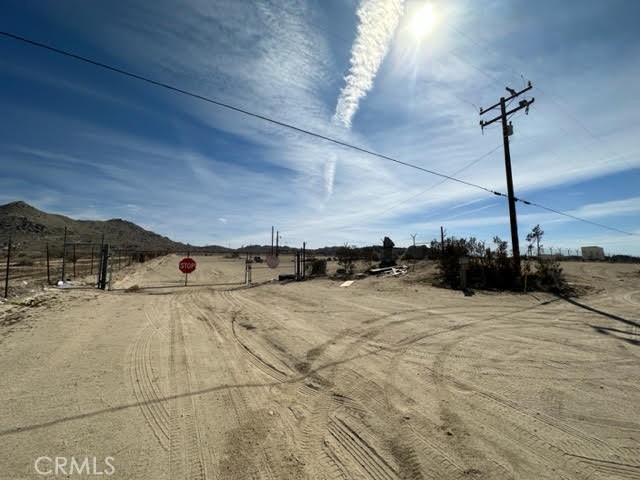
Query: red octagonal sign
{"type": "Point", "coordinates": [187, 265]}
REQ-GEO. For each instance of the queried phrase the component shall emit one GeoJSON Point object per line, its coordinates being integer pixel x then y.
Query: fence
{"type": "Point", "coordinates": [78, 263]}
{"type": "Point", "coordinates": [26, 271]}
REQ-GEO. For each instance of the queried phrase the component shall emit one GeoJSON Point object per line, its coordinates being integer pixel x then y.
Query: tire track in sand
{"type": "Point", "coordinates": [146, 390]}
{"type": "Point", "coordinates": [240, 450]}
{"type": "Point", "coordinates": [545, 436]}
{"type": "Point", "coordinates": [344, 450]}
{"type": "Point", "coordinates": [186, 459]}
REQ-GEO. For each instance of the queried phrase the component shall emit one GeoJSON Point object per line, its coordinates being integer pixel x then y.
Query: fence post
{"type": "Point", "coordinates": [48, 268]}
{"type": "Point", "coordinates": [110, 276]}
{"type": "Point", "coordinates": [246, 263]}
{"type": "Point", "coordinates": [6, 273]}
{"type": "Point", "coordinates": [64, 252]}
{"type": "Point", "coordinates": [304, 260]}
{"type": "Point", "coordinates": [104, 263]}
{"type": "Point", "coordinates": [91, 272]}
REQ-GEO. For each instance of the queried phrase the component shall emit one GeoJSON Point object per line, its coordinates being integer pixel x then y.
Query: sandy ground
{"type": "Point", "coordinates": [388, 378]}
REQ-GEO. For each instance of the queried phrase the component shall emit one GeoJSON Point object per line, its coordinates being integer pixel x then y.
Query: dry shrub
{"type": "Point", "coordinates": [494, 269]}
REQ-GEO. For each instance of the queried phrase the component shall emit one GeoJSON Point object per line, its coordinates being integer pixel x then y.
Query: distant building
{"type": "Point", "coordinates": [592, 253]}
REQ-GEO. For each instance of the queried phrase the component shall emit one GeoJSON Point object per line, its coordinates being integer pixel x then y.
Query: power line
{"type": "Point", "coordinates": [237, 109]}
{"type": "Point", "coordinates": [437, 184]}
{"type": "Point", "coordinates": [574, 217]}
{"type": "Point", "coordinates": [288, 125]}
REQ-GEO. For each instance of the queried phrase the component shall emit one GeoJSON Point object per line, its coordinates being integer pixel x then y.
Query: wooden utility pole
{"type": "Point", "coordinates": [507, 130]}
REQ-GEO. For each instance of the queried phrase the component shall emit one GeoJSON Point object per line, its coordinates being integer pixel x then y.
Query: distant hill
{"type": "Point", "coordinates": [31, 229]}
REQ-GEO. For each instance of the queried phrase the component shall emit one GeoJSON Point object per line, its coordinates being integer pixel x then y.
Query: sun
{"type": "Point", "coordinates": [422, 21]}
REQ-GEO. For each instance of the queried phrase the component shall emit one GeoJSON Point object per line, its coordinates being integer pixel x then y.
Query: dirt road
{"type": "Point", "coordinates": [389, 378]}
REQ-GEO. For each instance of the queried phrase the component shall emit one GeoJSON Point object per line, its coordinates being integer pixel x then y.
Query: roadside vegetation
{"type": "Point", "coordinates": [490, 267]}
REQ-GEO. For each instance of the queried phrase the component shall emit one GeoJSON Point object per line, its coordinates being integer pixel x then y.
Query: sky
{"type": "Point", "coordinates": [404, 79]}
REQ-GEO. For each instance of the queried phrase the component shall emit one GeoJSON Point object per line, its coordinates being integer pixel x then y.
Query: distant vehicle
{"type": "Point", "coordinates": [257, 259]}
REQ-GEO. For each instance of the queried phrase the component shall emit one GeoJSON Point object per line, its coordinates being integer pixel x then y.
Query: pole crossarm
{"type": "Point", "coordinates": [523, 104]}
{"type": "Point", "coordinates": [513, 93]}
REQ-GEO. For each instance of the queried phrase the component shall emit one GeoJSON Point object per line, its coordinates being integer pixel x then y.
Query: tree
{"type": "Point", "coordinates": [347, 256]}
{"type": "Point", "coordinates": [535, 235]}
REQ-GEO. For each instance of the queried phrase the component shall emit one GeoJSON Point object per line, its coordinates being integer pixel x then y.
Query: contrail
{"type": "Point", "coordinates": [378, 22]}
{"type": "Point", "coordinates": [329, 175]}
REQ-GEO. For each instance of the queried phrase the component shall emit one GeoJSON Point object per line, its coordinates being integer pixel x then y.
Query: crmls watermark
{"type": "Point", "coordinates": [74, 466]}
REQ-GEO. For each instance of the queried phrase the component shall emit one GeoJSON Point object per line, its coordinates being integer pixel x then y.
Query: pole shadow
{"type": "Point", "coordinates": [632, 323]}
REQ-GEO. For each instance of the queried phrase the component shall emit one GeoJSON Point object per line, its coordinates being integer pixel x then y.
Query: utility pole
{"type": "Point", "coordinates": [413, 236]}
{"type": "Point", "coordinates": [506, 131]}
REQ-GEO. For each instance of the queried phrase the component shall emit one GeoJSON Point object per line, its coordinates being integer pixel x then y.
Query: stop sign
{"type": "Point", "coordinates": [187, 265]}
{"type": "Point", "coordinates": [273, 261]}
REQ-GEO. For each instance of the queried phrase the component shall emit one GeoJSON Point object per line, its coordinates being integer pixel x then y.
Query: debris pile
{"type": "Point", "coordinates": [390, 271]}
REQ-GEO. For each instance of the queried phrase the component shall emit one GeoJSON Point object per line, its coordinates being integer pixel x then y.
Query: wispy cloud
{"type": "Point", "coordinates": [627, 206]}
{"type": "Point", "coordinates": [90, 137]}
{"type": "Point", "coordinates": [329, 175]}
{"type": "Point", "coordinates": [378, 22]}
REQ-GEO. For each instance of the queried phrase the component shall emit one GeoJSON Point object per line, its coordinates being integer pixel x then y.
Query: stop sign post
{"type": "Point", "coordinates": [187, 265]}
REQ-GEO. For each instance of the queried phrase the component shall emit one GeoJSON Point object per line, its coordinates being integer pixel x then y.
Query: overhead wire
{"type": "Point", "coordinates": [565, 214]}
{"type": "Point", "coordinates": [236, 109]}
{"type": "Point", "coordinates": [440, 182]}
{"type": "Point", "coordinates": [284, 124]}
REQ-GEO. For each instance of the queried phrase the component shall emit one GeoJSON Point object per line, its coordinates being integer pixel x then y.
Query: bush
{"type": "Point", "coordinates": [318, 267]}
{"type": "Point", "coordinates": [24, 262]}
{"type": "Point", "coordinates": [347, 257]}
{"type": "Point", "coordinates": [491, 269]}
{"type": "Point", "coordinates": [549, 275]}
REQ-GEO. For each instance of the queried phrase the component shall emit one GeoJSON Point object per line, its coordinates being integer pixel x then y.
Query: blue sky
{"type": "Point", "coordinates": [92, 144]}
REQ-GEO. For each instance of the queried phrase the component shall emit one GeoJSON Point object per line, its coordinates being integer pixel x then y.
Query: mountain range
{"type": "Point", "coordinates": [31, 229]}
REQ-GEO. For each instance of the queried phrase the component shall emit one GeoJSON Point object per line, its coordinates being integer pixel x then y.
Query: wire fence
{"type": "Point", "coordinates": [76, 264]}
